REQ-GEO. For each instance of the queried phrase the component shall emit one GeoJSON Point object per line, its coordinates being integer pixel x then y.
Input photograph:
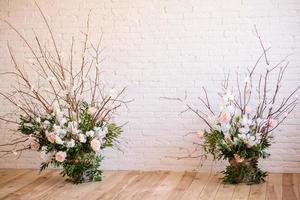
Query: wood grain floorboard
{"type": "Point", "coordinates": [134, 185]}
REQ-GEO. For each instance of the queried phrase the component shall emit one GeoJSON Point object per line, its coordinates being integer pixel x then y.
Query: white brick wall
{"type": "Point", "coordinates": [162, 48]}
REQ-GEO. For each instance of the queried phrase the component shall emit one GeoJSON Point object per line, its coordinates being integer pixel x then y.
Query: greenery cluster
{"type": "Point", "coordinates": [74, 138]}
{"type": "Point", "coordinates": [242, 150]}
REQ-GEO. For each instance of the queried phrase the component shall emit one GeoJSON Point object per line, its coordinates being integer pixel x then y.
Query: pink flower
{"type": "Point", "coordinates": [272, 123]}
{"type": "Point", "coordinates": [224, 117]}
{"type": "Point", "coordinates": [60, 156]}
{"type": "Point", "coordinates": [92, 110]}
{"type": "Point", "coordinates": [238, 158]}
{"type": "Point", "coordinates": [95, 144]}
{"type": "Point", "coordinates": [200, 134]}
{"type": "Point", "coordinates": [34, 146]}
{"type": "Point", "coordinates": [51, 137]}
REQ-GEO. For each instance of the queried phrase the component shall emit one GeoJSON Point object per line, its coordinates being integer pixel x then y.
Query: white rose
{"type": "Point", "coordinates": [38, 120]}
{"type": "Point", "coordinates": [90, 133]}
{"type": "Point", "coordinates": [58, 140]}
{"type": "Point", "coordinates": [73, 127]}
{"type": "Point", "coordinates": [71, 143]}
{"type": "Point", "coordinates": [62, 121]}
{"type": "Point", "coordinates": [96, 145]}
{"type": "Point", "coordinates": [82, 138]}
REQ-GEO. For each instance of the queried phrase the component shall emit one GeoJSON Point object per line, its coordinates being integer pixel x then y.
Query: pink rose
{"type": "Point", "coordinates": [34, 146]}
{"type": "Point", "coordinates": [51, 137]}
{"type": "Point", "coordinates": [272, 123]}
{"type": "Point", "coordinates": [224, 117]}
{"type": "Point", "coordinates": [60, 156]}
{"type": "Point", "coordinates": [95, 144]}
{"type": "Point", "coordinates": [238, 158]}
{"type": "Point", "coordinates": [92, 110]}
{"type": "Point", "coordinates": [200, 134]}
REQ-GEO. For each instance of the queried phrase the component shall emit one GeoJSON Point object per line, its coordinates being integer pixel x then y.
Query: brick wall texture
{"type": "Point", "coordinates": [163, 48]}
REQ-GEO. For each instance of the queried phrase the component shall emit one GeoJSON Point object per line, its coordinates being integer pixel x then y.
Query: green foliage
{"type": "Point", "coordinates": [85, 167]}
{"type": "Point", "coordinates": [82, 163]}
{"type": "Point", "coordinates": [238, 147]}
{"type": "Point", "coordinates": [248, 173]}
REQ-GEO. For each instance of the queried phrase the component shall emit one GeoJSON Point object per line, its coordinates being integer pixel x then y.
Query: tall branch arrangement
{"type": "Point", "coordinates": [242, 130]}
{"type": "Point", "coordinates": [65, 112]}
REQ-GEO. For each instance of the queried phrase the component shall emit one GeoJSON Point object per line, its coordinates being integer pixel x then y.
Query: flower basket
{"type": "Point", "coordinates": [62, 108]}
{"type": "Point", "coordinates": [243, 171]}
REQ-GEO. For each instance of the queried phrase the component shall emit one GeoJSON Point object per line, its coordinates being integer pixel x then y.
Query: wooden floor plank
{"type": "Point", "coordinates": [289, 189]}
{"type": "Point", "coordinates": [119, 187]}
{"type": "Point", "coordinates": [17, 182]}
{"type": "Point", "coordinates": [150, 185]}
{"type": "Point", "coordinates": [9, 174]}
{"type": "Point", "coordinates": [182, 186]}
{"type": "Point", "coordinates": [89, 190]}
{"type": "Point", "coordinates": [258, 191]}
{"type": "Point", "coordinates": [241, 192]}
{"type": "Point", "coordinates": [274, 187]}
{"type": "Point", "coordinates": [163, 190]}
{"type": "Point", "coordinates": [198, 184]}
{"type": "Point", "coordinates": [134, 185]}
{"type": "Point", "coordinates": [225, 192]}
{"type": "Point", "coordinates": [210, 190]}
{"type": "Point", "coordinates": [28, 190]}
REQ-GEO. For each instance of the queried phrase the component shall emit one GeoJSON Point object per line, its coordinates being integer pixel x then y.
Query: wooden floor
{"type": "Point", "coordinates": [122, 185]}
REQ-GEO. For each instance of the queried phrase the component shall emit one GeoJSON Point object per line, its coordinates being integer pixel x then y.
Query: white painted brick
{"type": "Point", "coordinates": [162, 48]}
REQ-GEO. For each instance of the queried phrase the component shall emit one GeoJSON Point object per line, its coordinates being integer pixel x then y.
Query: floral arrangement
{"type": "Point", "coordinates": [66, 114]}
{"type": "Point", "coordinates": [241, 131]}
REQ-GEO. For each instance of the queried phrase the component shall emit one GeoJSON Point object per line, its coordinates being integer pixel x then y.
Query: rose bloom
{"type": "Point", "coordinates": [51, 137]}
{"type": "Point", "coordinates": [60, 156]}
{"type": "Point", "coordinates": [238, 158]}
{"type": "Point", "coordinates": [34, 146]}
{"type": "Point", "coordinates": [95, 144]}
{"type": "Point", "coordinates": [200, 134]}
{"type": "Point", "coordinates": [272, 123]}
{"type": "Point", "coordinates": [224, 117]}
{"type": "Point", "coordinates": [92, 110]}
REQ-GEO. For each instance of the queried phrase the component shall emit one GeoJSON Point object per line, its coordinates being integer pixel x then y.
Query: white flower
{"type": "Point", "coordinates": [62, 121]}
{"type": "Point", "coordinates": [73, 127]}
{"type": "Point", "coordinates": [244, 130]}
{"type": "Point", "coordinates": [61, 132]}
{"type": "Point", "coordinates": [51, 136]}
{"type": "Point", "coordinates": [245, 121]}
{"type": "Point", "coordinates": [225, 127]}
{"type": "Point", "coordinates": [90, 133]}
{"type": "Point", "coordinates": [82, 138]}
{"type": "Point", "coordinates": [100, 132]}
{"type": "Point", "coordinates": [95, 144]}
{"type": "Point", "coordinates": [228, 97]}
{"type": "Point", "coordinates": [58, 140]}
{"type": "Point", "coordinates": [46, 124]}
{"type": "Point", "coordinates": [71, 143]}
{"type": "Point", "coordinates": [38, 120]}
{"type": "Point", "coordinates": [252, 138]}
